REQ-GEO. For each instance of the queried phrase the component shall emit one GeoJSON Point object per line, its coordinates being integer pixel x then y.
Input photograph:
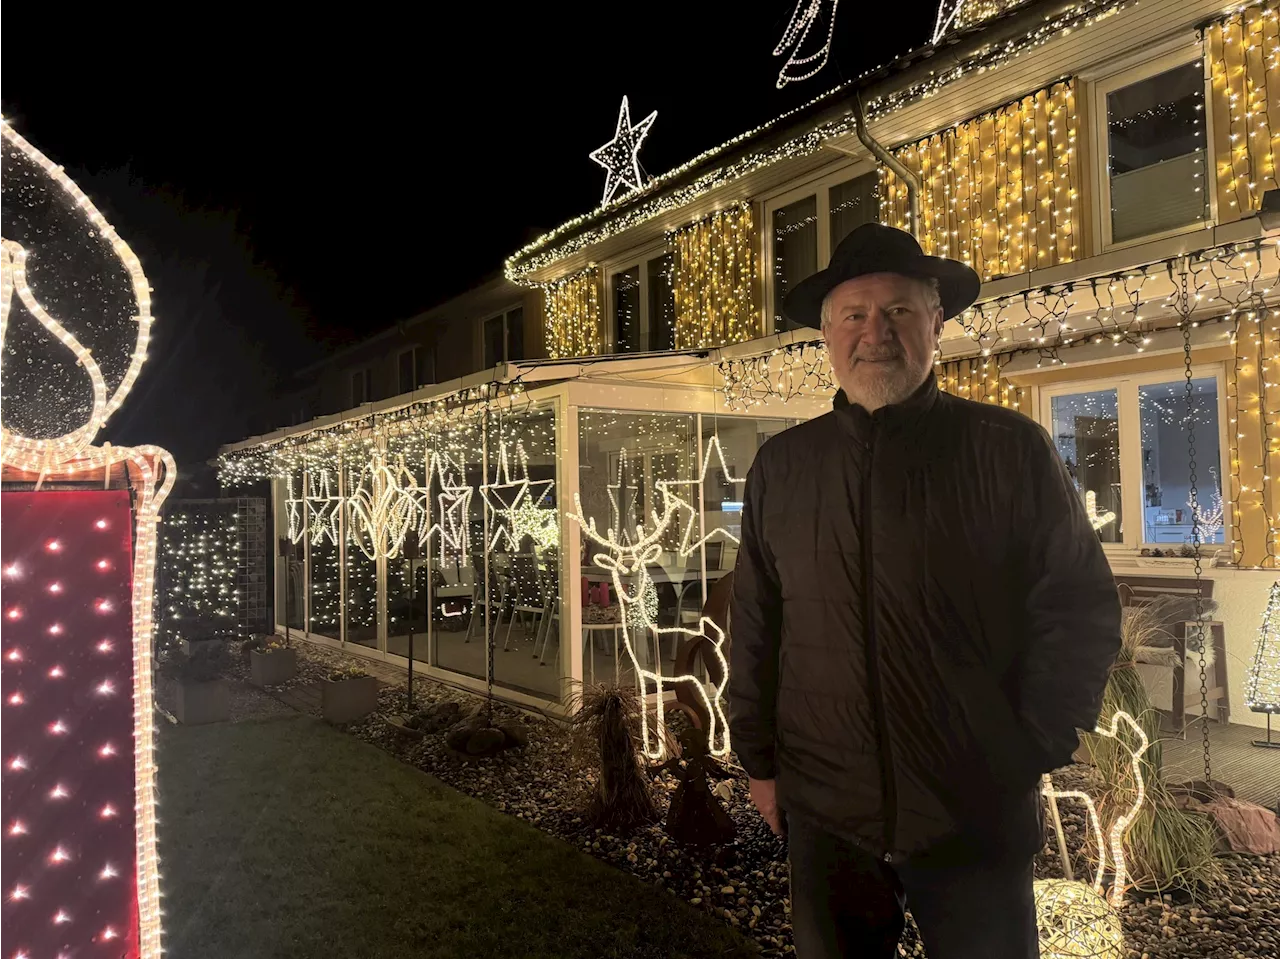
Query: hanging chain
{"type": "Point", "coordinates": [1184, 308]}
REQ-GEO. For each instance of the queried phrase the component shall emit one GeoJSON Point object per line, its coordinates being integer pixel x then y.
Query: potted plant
{"type": "Point", "coordinates": [348, 694]}
{"type": "Point", "coordinates": [271, 661]}
{"type": "Point", "coordinates": [202, 693]}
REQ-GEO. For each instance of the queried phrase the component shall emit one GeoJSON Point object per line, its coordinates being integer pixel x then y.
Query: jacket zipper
{"type": "Point", "coordinates": [888, 787]}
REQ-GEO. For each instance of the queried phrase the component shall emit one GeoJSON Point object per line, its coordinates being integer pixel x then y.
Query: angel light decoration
{"type": "Point", "coordinates": [1075, 919]}
{"type": "Point", "coordinates": [78, 564]}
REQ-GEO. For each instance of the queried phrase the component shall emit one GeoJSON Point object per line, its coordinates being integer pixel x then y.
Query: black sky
{"type": "Point", "coordinates": [292, 183]}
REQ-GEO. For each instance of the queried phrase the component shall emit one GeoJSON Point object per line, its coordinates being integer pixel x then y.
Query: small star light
{"type": "Point", "coordinates": [13, 571]}
{"type": "Point", "coordinates": [55, 629]}
{"type": "Point", "coordinates": [101, 524]}
{"type": "Point", "coordinates": [61, 917]}
{"type": "Point", "coordinates": [60, 855]}
{"type": "Point", "coordinates": [107, 750]}
{"type": "Point", "coordinates": [16, 828]}
{"type": "Point", "coordinates": [17, 764]}
{"type": "Point", "coordinates": [59, 792]}
{"type": "Point", "coordinates": [620, 156]}
{"type": "Point", "coordinates": [14, 656]}
{"type": "Point", "coordinates": [20, 892]}
{"type": "Point", "coordinates": [14, 613]}
{"type": "Point", "coordinates": [56, 672]}
{"type": "Point", "coordinates": [109, 934]}
{"type": "Point", "coordinates": [55, 588]}
{"type": "Point", "coordinates": [105, 688]}
{"type": "Point", "coordinates": [15, 699]}
{"type": "Point", "coordinates": [108, 872]}
{"type": "Point", "coordinates": [104, 646]}
{"type": "Point", "coordinates": [58, 728]}
{"type": "Point", "coordinates": [53, 546]}
{"type": "Point", "coordinates": [107, 811]}
{"type": "Point", "coordinates": [103, 565]}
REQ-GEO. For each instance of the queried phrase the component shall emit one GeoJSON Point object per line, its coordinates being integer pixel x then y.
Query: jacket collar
{"type": "Point", "coordinates": [895, 418]}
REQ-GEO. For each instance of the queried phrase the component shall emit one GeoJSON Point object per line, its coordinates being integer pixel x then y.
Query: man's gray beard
{"type": "Point", "coordinates": [872, 388]}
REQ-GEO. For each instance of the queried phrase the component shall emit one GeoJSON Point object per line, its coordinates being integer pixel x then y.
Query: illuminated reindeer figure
{"type": "Point", "coordinates": [628, 559]}
{"type": "Point", "coordinates": [1074, 919]}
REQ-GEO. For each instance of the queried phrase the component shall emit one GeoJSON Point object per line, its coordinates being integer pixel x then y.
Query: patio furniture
{"type": "Point", "coordinates": [549, 583]}
{"type": "Point", "coordinates": [526, 595]}
{"type": "Point", "coordinates": [590, 632]}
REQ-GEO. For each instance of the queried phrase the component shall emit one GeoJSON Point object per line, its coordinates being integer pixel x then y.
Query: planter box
{"type": "Point", "coordinates": [192, 646]}
{"type": "Point", "coordinates": [272, 667]}
{"type": "Point", "coordinates": [349, 699]}
{"type": "Point", "coordinates": [201, 703]}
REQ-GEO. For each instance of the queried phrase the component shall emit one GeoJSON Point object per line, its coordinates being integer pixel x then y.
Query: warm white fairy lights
{"type": "Point", "coordinates": [688, 543]}
{"type": "Point", "coordinates": [65, 453]}
{"type": "Point", "coordinates": [669, 192]}
{"type": "Point", "coordinates": [1096, 520]}
{"type": "Point", "coordinates": [516, 503]}
{"type": "Point", "coordinates": [384, 505]}
{"type": "Point", "coordinates": [803, 19]}
{"type": "Point", "coordinates": [628, 560]}
{"type": "Point", "coordinates": [1074, 919]}
{"type": "Point", "coordinates": [1262, 684]}
{"type": "Point", "coordinates": [620, 157]}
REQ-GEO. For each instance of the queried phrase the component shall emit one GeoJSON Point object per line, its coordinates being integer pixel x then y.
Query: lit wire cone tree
{"type": "Point", "coordinates": [1262, 688]}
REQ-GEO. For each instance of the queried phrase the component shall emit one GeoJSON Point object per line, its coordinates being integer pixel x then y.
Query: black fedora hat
{"type": "Point", "coordinates": [876, 248]}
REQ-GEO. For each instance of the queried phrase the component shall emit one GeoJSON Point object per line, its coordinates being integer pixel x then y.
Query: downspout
{"type": "Point", "coordinates": [909, 179]}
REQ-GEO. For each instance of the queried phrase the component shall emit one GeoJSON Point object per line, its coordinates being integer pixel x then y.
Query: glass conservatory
{"type": "Point", "coordinates": [578, 515]}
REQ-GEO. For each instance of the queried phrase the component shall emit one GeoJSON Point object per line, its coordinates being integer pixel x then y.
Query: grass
{"type": "Point", "coordinates": [285, 838]}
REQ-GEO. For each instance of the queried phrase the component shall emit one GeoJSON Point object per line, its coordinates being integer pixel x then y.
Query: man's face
{"type": "Point", "coordinates": [881, 333]}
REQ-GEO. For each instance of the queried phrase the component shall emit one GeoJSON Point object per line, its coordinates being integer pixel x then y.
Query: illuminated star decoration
{"type": "Point", "coordinates": [805, 15]}
{"type": "Point", "coordinates": [620, 156]}
{"type": "Point", "coordinates": [295, 508]}
{"type": "Point", "coordinates": [628, 560]}
{"type": "Point", "coordinates": [452, 527]}
{"type": "Point", "coordinates": [1098, 520]}
{"type": "Point", "coordinates": [947, 12]}
{"type": "Point", "coordinates": [324, 508]}
{"type": "Point", "coordinates": [512, 499]}
{"type": "Point", "coordinates": [688, 545]}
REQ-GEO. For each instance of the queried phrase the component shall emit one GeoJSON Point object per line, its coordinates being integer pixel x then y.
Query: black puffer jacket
{"type": "Point", "coordinates": [922, 617]}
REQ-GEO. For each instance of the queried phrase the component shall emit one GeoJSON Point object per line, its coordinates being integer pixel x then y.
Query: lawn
{"type": "Point", "coordinates": [285, 838]}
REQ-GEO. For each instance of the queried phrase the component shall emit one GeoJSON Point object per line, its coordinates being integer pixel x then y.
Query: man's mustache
{"type": "Point", "coordinates": [879, 355]}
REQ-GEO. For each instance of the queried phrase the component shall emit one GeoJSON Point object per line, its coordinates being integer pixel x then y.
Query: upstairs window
{"type": "Point", "coordinates": [662, 305]}
{"type": "Point", "coordinates": [853, 203]}
{"type": "Point", "coordinates": [626, 311]}
{"type": "Point", "coordinates": [1156, 152]}
{"type": "Point", "coordinates": [504, 338]}
{"type": "Point", "coordinates": [359, 387]}
{"type": "Point", "coordinates": [415, 367]}
{"type": "Point", "coordinates": [795, 252]}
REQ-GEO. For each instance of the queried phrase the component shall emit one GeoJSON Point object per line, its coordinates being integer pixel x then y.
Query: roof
{"type": "Point", "coordinates": [904, 80]}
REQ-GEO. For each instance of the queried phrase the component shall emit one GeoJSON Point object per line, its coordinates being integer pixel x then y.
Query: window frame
{"type": "Point", "coordinates": [634, 259]}
{"type": "Point", "coordinates": [818, 187]}
{"type": "Point", "coordinates": [505, 315]}
{"type": "Point", "coordinates": [1100, 171]}
{"type": "Point", "coordinates": [418, 351]}
{"type": "Point", "coordinates": [366, 387]}
{"type": "Point", "coordinates": [1130, 428]}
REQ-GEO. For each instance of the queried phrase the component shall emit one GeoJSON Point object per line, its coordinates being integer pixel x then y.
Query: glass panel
{"type": "Point", "coordinates": [854, 203]}
{"type": "Point", "coordinates": [515, 334]}
{"type": "Point", "coordinates": [323, 559]}
{"type": "Point", "coordinates": [362, 588]}
{"type": "Point", "coordinates": [406, 370]}
{"type": "Point", "coordinates": [662, 305]}
{"type": "Point", "coordinates": [524, 532]}
{"type": "Point", "coordinates": [1086, 431]}
{"type": "Point", "coordinates": [795, 251]}
{"type": "Point", "coordinates": [458, 598]}
{"type": "Point", "coordinates": [1166, 475]}
{"type": "Point", "coordinates": [626, 310]}
{"type": "Point", "coordinates": [294, 564]}
{"type": "Point", "coordinates": [1156, 143]}
{"type": "Point", "coordinates": [493, 342]}
{"type": "Point", "coordinates": [406, 576]}
{"type": "Point", "coordinates": [623, 456]}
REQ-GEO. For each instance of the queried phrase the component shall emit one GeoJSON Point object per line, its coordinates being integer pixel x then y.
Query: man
{"type": "Point", "coordinates": [922, 618]}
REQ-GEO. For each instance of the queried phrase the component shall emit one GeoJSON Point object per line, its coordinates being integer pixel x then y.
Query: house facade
{"type": "Point", "coordinates": [580, 440]}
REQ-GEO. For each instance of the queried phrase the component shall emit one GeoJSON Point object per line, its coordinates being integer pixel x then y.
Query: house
{"type": "Point", "coordinates": [1105, 166]}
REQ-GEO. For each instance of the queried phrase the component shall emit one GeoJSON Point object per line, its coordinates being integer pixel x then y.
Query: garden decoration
{"type": "Point", "coordinates": [606, 736]}
{"type": "Point", "coordinates": [695, 816]}
{"type": "Point", "coordinates": [75, 324]}
{"type": "Point", "coordinates": [1075, 919]}
{"type": "Point", "coordinates": [1262, 687]}
{"type": "Point", "coordinates": [628, 560]}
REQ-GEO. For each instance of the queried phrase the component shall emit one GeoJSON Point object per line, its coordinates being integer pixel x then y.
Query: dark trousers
{"type": "Point", "coordinates": [846, 904]}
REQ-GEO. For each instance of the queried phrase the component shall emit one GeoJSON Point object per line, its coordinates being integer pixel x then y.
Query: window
{"type": "Point", "coordinates": [853, 203]}
{"type": "Point", "coordinates": [1124, 442]}
{"type": "Point", "coordinates": [662, 304]}
{"type": "Point", "coordinates": [360, 387]}
{"type": "Point", "coordinates": [415, 367]}
{"type": "Point", "coordinates": [1156, 143]}
{"type": "Point", "coordinates": [1086, 431]}
{"type": "Point", "coordinates": [795, 251]}
{"type": "Point", "coordinates": [626, 310]}
{"type": "Point", "coordinates": [504, 338]}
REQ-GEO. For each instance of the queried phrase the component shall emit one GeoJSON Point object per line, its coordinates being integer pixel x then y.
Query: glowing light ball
{"type": "Point", "coordinates": [1075, 922]}
{"type": "Point", "coordinates": [79, 842]}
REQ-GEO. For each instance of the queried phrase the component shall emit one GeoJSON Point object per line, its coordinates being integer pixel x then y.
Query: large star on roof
{"type": "Point", "coordinates": [619, 156]}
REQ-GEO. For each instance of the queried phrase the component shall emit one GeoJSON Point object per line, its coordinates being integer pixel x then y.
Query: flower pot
{"type": "Point", "coordinates": [201, 703]}
{"type": "Point", "coordinates": [273, 666]}
{"type": "Point", "coordinates": [347, 700]}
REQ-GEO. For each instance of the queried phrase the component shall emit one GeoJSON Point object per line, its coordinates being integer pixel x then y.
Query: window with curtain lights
{"type": "Point", "coordinates": [795, 252]}
{"type": "Point", "coordinates": [662, 304]}
{"type": "Point", "coordinates": [625, 286]}
{"type": "Point", "coordinates": [853, 203]}
{"type": "Point", "coordinates": [1156, 152]}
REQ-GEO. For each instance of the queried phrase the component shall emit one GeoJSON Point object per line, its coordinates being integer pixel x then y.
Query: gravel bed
{"type": "Point", "coordinates": [746, 883]}
{"type": "Point", "coordinates": [247, 701]}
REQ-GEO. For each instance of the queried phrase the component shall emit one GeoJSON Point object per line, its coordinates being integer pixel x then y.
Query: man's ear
{"type": "Point", "coordinates": [938, 323]}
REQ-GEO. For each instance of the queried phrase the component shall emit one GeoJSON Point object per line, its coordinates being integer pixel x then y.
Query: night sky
{"type": "Point", "coordinates": [293, 185]}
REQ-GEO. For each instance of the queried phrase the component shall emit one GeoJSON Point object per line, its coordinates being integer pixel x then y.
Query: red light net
{"type": "Point", "coordinates": [67, 736]}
